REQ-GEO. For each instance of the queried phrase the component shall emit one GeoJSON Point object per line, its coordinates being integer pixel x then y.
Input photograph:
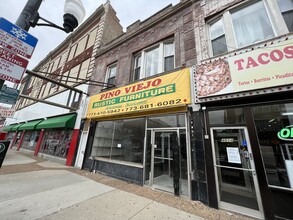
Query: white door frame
{"type": "Point", "coordinates": [230, 206]}
{"type": "Point", "coordinates": [153, 151]}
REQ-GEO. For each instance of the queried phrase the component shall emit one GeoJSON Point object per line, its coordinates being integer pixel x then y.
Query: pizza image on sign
{"type": "Point", "coordinates": [212, 77]}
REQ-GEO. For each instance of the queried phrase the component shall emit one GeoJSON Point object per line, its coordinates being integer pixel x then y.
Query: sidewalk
{"type": "Point", "coordinates": [33, 188]}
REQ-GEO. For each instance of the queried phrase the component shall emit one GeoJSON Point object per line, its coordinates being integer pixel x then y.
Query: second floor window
{"type": "Point", "coordinates": [111, 74]}
{"type": "Point", "coordinates": [286, 8]}
{"type": "Point", "coordinates": [168, 56]}
{"type": "Point", "coordinates": [154, 60]}
{"type": "Point", "coordinates": [218, 38]}
{"type": "Point", "coordinates": [248, 24]}
{"type": "Point", "coordinates": [251, 24]}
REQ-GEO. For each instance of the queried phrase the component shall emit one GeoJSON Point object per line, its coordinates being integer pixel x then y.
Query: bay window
{"type": "Point", "coordinates": [156, 59]}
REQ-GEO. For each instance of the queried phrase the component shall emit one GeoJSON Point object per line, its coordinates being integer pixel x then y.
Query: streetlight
{"type": "Point", "coordinates": [74, 13]}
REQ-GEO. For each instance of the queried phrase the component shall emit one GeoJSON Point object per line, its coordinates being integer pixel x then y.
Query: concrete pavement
{"type": "Point", "coordinates": [60, 194]}
{"type": "Point", "coordinates": [33, 188]}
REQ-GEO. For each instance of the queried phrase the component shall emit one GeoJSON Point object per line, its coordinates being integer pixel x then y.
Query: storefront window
{"type": "Point", "coordinates": [10, 136]}
{"type": "Point", "coordinates": [227, 116]}
{"type": "Point", "coordinates": [56, 142]}
{"type": "Point", "coordinates": [120, 140]}
{"type": "Point", "coordinates": [274, 124]}
{"type": "Point", "coordinates": [167, 121]}
{"type": "Point", "coordinates": [30, 140]}
{"type": "Point", "coordinates": [103, 139]}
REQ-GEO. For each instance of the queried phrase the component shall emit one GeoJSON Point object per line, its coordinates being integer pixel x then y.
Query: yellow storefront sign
{"type": "Point", "coordinates": [171, 90]}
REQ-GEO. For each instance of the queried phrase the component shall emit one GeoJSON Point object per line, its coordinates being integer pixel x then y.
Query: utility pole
{"type": "Point", "coordinates": [74, 13]}
{"type": "Point", "coordinates": [28, 12]}
{"type": "Point", "coordinates": [24, 20]}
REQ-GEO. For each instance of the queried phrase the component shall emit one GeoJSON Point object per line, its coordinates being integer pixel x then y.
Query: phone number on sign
{"type": "Point", "coordinates": [137, 108]}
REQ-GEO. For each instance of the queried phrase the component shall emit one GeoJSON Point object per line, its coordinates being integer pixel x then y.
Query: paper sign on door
{"type": "Point", "coordinates": [233, 155]}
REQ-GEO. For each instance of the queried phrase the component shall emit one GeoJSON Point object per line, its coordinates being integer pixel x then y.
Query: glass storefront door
{"type": "Point", "coordinates": [168, 162]}
{"type": "Point", "coordinates": [235, 172]}
{"type": "Point", "coordinates": [163, 149]}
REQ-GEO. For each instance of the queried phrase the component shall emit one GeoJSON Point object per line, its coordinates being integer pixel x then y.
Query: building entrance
{"type": "Point", "coordinates": [168, 161]}
{"type": "Point", "coordinates": [235, 171]}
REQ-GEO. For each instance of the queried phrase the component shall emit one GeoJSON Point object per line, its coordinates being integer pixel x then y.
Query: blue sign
{"type": "Point", "coordinates": [8, 95]}
{"type": "Point", "coordinates": [16, 39]}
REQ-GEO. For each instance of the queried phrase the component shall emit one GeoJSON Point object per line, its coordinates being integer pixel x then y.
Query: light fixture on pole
{"type": "Point", "coordinates": [74, 13]}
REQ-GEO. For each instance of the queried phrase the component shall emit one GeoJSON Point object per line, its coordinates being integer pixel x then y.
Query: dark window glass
{"type": "Point", "coordinates": [137, 67]}
{"type": "Point", "coordinates": [112, 71]}
{"type": "Point", "coordinates": [218, 38]}
{"type": "Point", "coordinates": [111, 80]}
{"type": "Point", "coordinates": [219, 45]}
{"type": "Point", "coordinates": [168, 56]}
{"type": "Point", "coordinates": [274, 130]}
{"type": "Point", "coordinates": [286, 8]}
{"type": "Point", "coordinates": [169, 63]}
{"type": "Point", "coordinates": [137, 73]}
{"type": "Point", "coordinates": [227, 116]}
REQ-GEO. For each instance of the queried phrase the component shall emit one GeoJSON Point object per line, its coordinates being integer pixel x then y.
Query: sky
{"type": "Point", "coordinates": [128, 11]}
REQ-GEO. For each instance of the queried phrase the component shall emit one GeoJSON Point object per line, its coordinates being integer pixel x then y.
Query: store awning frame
{"type": "Point", "coordinates": [64, 121]}
{"type": "Point", "coordinates": [15, 128]}
{"type": "Point", "coordinates": [8, 127]}
{"type": "Point", "coordinates": [31, 125]}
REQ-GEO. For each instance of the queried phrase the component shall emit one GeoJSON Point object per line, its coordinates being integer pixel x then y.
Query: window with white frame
{"type": "Point", "coordinates": [154, 60]}
{"type": "Point", "coordinates": [218, 38]}
{"type": "Point", "coordinates": [168, 56]}
{"type": "Point", "coordinates": [248, 24]}
{"type": "Point", "coordinates": [111, 74]}
{"type": "Point", "coordinates": [251, 24]}
{"type": "Point", "coordinates": [286, 8]}
{"type": "Point", "coordinates": [137, 67]}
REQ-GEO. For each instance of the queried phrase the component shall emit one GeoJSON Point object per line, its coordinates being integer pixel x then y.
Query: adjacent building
{"type": "Point", "coordinates": [53, 131]}
{"type": "Point", "coordinates": [244, 82]}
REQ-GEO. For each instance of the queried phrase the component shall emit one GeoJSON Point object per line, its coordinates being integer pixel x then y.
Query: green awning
{"type": "Point", "coordinates": [8, 127]}
{"type": "Point", "coordinates": [65, 121]}
{"type": "Point", "coordinates": [31, 125]}
{"type": "Point", "coordinates": [15, 128]}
